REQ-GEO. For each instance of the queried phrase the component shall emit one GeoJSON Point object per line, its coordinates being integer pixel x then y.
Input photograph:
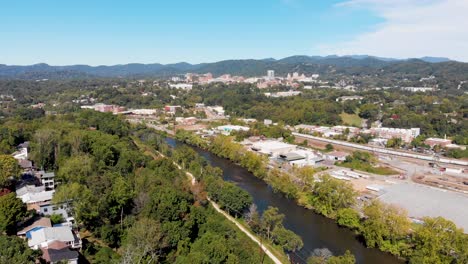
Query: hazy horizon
{"type": "Point", "coordinates": [207, 62]}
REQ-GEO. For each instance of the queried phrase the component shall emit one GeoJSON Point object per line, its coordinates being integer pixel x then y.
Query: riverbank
{"type": "Point", "coordinates": [248, 233]}
{"type": "Point", "coordinates": [376, 222]}
{"type": "Point", "coordinates": [316, 230]}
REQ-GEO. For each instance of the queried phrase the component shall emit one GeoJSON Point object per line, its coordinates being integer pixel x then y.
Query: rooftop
{"type": "Point", "coordinates": [270, 145]}
{"type": "Point", "coordinates": [29, 189]}
{"type": "Point", "coordinates": [41, 222]}
{"type": "Point", "coordinates": [54, 255]}
{"type": "Point", "coordinates": [49, 234]}
{"type": "Point", "coordinates": [37, 197]}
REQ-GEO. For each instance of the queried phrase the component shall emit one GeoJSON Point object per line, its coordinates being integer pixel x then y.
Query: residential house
{"type": "Point", "coordinates": [55, 209]}
{"type": "Point", "coordinates": [59, 252]}
{"type": "Point", "coordinates": [40, 223]}
{"type": "Point", "coordinates": [34, 196]}
{"type": "Point", "coordinates": [43, 237]}
{"type": "Point", "coordinates": [47, 179]}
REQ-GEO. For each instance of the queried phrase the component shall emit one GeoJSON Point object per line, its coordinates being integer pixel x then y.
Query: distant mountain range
{"type": "Point", "coordinates": [249, 67]}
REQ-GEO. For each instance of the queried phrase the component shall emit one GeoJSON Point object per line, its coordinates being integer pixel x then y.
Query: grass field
{"type": "Point", "coordinates": [353, 120]}
{"type": "Point", "coordinates": [368, 168]}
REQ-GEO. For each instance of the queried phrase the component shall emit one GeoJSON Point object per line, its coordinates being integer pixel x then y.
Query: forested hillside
{"type": "Point", "coordinates": [382, 71]}
{"type": "Point", "coordinates": [131, 205]}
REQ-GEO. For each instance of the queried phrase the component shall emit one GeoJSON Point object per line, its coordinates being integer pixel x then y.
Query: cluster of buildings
{"type": "Point", "coordinates": [418, 89]}
{"type": "Point", "coordinates": [115, 109]}
{"type": "Point", "coordinates": [58, 242]}
{"type": "Point", "coordinates": [227, 129]}
{"type": "Point", "coordinates": [406, 135]}
{"type": "Point", "coordinates": [442, 142]}
{"type": "Point", "coordinates": [328, 131]}
{"type": "Point", "coordinates": [6, 98]}
{"type": "Point", "coordinates": [349, 98]}
{"type": "Point", "coordinates": [183, 86]}
{"type": "Point", "coordinates": [208, 78]}
{"type": "Point", "coordinates": [186, 121]}
{"type": "Point", "coordinates": [84, 99]}
{"type": "Point", "coordinates": [105, 108]}
{"type": "Point", "coordinates": [172, 109]}
{"type": "Point", "coordinates": [218, 110]}
{"type": "Point", "coordinates": [283, 94]}
{"type": "Point", "coordinates": [380, 133]}
{"type": "Point", "coordinates": [292, 80]}
{"type": "Point", "coordinates": [301, 78]}
{"type": "Point", "coordinates": [289, 154]}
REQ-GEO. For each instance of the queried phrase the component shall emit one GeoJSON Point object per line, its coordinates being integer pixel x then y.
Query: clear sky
{"type": "Point", "coordinates": [95, 32]}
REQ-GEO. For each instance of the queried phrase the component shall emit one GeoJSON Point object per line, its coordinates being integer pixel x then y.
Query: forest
{"type": "Point", "coordinates": [437, 114]}
{"type": "Point", "coordinates": [130, 206]}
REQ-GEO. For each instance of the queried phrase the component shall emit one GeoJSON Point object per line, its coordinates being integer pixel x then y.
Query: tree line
{"type": "Point", "coordinates": [141, 207]}
{"type": "Point", "coordinates": [436, 240]}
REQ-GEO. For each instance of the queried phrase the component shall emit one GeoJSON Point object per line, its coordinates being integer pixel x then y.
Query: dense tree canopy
{"type": "Point", "coordinates": [12, 210]}
{"type": "Point", "coordinates": [8, 169]}
{"type": "Point", "coordinates": [14, 250]}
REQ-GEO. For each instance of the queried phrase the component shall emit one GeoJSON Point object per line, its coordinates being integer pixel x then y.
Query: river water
{"type": "Point", "coordinates": [315, 230]}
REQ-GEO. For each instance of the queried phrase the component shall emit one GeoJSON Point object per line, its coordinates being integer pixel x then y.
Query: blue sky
{"type": "Point", "coordinates": [112, 32]}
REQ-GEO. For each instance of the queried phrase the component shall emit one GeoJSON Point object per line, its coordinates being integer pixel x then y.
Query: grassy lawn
{"type": "Point", "coordinates": [368, 168]}
{"type": "Point", "coordinates": [352, 120]}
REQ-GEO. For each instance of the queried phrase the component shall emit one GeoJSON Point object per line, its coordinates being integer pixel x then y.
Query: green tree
{"type": "Point", "coordinates": [210, 247]}
{"type": "Point", "coordinates": [348, 217]}
{"type": "Point", "coordinates": [12, 210]}
{"type": "Point", "coordinates": [77, 169]}
{"type": "Point", "coordinates": [105, 255]}
{"type": "Point", "coordinates": [287, 239]}
{"type": "Point", "coordinates": [346, 258]}
{"type": "Point", "coordinates": [144, 243]}
{"type": "Point", "coordinates": [8, 168]}
{"type": "Point", "coordinates": [56, 219]}
{"type": "Point", "coordinates": [84, 204]}
{"type": "Point", "coordinates": [121, 195]}
{"type": "Point", "coordinates": [439, 241]}
{"type": "Point", "coordinates": [234, 199]}
{"type": "Point", "coordinates": [369, 111]}
{"type": "Point", "coordinates": [325, 256]}
{"type": "Point", "coordinates": [271, 218]}
{"type": "Point", "coordinates": [330, 194]}
{"type": "Point", "coordinates": [386, 226]}
{"type": "Point", "coordinates": [14, 250]}
{"type": "Point", "coordinates": [394, 143]}
{"type": "Point", "coordinates": [45, 148]}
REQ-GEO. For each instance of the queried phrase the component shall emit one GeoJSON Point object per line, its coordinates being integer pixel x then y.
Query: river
{"type": "Point", "coordinates": [315, 230]}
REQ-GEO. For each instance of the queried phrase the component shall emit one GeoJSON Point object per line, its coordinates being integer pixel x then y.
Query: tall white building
{"type": "Point", "coordinates": [271, 74]}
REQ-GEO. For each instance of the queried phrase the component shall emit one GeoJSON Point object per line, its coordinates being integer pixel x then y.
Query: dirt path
{"type": "Point", "coordinates": [216, 207]}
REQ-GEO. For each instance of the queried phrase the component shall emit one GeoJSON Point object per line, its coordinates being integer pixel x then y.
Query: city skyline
{"type": "Point", "coordinates": [119, 32]}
